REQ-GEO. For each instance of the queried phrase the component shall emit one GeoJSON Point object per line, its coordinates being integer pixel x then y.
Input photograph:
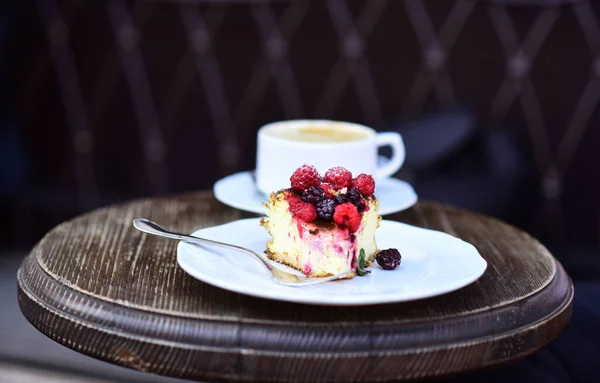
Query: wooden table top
{"type": "Point", "coordinates": [100, 287]}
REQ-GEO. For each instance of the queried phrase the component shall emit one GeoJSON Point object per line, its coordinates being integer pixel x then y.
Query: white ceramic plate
{"type": "Point", "coordinates": [433, 263]}
{"type": "Point", "coordinates": [239, 191]}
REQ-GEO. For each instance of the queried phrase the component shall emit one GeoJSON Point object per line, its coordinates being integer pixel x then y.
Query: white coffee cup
{"type": "Point", "coordinates": [284, 146]}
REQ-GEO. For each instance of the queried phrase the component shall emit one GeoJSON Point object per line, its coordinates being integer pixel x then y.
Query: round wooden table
{"type": "Point", "coordinates": [100, 287]}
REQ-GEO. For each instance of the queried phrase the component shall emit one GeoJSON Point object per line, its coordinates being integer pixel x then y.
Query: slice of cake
{"type": "Point", "coordinates": [320, 224]}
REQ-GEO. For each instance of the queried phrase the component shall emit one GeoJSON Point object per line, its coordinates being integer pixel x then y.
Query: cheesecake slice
{"type": "Point", "coordinates": [321, 229]}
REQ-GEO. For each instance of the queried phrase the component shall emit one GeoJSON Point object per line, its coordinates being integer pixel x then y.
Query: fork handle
{"type": "Point", "coordinates": [149, 227]}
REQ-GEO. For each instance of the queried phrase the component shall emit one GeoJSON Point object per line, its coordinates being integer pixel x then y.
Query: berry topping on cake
{"type": "Point", "coordinates": [325, 209]}
{"type": "Point", "coordinates": [347, 215]}
{"type": "Point", "coordinates": [351, 196]}
{"type": "Point", "coordinates": [365, 184]}
{"type": "Point", "coordinates": [338, 178]}
{"type": "Point", "coordinates": [304, 177]}
{"type": "Point", "coordinates": [354, 197]}
{"type": "Point", "coordinates": [293, 200]}
{"type": "Point", "coordinates": [388, 259]}
{"type": "Point", "coordinates": [341, 198]}
{"type": "Point", "coordinates": [338, 189]}
{"type": "Point", "coordinates": [313, 194]}
{"type": "Point", "coordinates": [328, 189]}
{"type": "Point", "coordinates": [303, 210]}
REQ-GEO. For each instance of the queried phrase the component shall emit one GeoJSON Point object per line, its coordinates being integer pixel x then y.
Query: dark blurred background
{"type": "Point", "coordinates": [104, 101]}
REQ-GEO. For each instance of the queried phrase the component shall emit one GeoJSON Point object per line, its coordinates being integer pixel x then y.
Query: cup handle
{"type": "Point", "coordinates": [394, 140]}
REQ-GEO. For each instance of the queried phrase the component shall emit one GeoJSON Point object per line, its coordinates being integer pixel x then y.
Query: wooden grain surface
{"type": "Point", "coordinates": [100, 287]}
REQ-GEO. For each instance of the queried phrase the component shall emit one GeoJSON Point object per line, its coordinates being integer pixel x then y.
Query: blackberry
{"type": "Point", "coordinates": [341, 198]}
{"type": "Point", "coordinates": [355, 198]}
{"type": "Point", "coordinates": [313, 194]}
{"type": "Point", "coordinates": [326, 208]}
{"type": "Point", "coordinates": [354, 195]}
{"type": "Point", "coordinates": [388, 259]}
{"type": "Point", "coordinates": [360, 206]}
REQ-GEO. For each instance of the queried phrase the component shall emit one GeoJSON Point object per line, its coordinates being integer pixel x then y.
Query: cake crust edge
{"type": "Point", "coordinates": [277, 258]}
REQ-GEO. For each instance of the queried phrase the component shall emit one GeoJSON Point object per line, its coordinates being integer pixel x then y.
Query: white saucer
{"type": "Point", "coordinates": [433, 263]}
{"type": "Point", "coordinates": [239, 191]}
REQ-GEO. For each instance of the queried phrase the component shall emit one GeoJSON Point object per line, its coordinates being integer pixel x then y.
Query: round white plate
{"type": "Point", "coordinates": [433, 263]}
{"type": "Point", "coordinates": [239, 191]}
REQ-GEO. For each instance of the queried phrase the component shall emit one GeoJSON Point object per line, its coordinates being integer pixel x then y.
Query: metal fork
{"type": "Point", "coordinates": [279, 275]}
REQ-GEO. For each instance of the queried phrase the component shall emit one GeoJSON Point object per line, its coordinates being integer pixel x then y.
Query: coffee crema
{"type": "Point", "coordinates": [320, 133]}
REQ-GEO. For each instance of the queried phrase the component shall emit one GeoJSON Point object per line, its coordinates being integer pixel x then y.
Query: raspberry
{"type": "Point", "coordinates": [328, 189]}
{"type": "Point", "coordinates": [313, 194]}
{"type": "Point", "coordinates": [293, 200]}
{"type": "Point", "coordinates": [303, 210]}
{"type": "Point", "coordinates": [365, 183]}
{"type": "Point", "coordinates": [326, 208]}
{"type": "Point", "coordinates": [347, 215]}
{"type": "Point", "coordinates": [304, 177]}
{"type": "Point", "coordinates": [338, 177]}
{"type": "Point", "coordinates": [388, 259]}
